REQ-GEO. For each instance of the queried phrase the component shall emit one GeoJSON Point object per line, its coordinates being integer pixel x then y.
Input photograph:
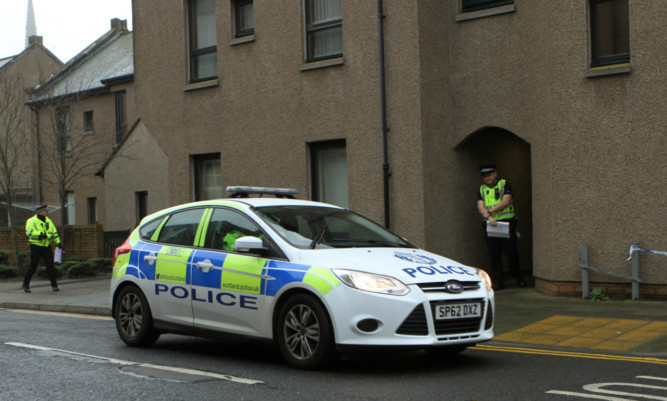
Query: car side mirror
{"type": "Point", "coordinates": [249, 244]}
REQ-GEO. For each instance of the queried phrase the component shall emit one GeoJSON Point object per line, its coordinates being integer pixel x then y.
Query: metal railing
{"type": "Point", "coordinates": [585, 268]}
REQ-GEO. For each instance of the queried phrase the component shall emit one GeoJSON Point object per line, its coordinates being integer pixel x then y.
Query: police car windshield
{"type": "Point", "coordinates": [324, 227]}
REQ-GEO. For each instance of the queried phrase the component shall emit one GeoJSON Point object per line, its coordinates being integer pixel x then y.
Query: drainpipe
{"type": "Point", "coordinates": [385, 129]}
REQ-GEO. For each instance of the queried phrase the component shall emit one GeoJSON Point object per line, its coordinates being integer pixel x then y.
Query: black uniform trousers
{"type": "Point", "coordinates": [37, 252]}
{"type": "Point", "coordinates": [498, 246]}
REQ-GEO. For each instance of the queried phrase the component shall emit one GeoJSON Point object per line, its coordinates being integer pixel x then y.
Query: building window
{"type": "Point", "coordinates": [92, 210]}
{"type": "Point", "coordinates": [203, 49]}
{"type": "Point", "coordinates": [63, 130]}
{"type": "Point", "coordinates": [208, 181]}
{"type": "Point", "coordinates": [324, 29]}
{"type": "Point", "coordinates": [610, 32]}
{"type": "Point", "coordinates": [88, 123]}
{"type": "Point", "coordinates": [70, 209]}
{"type": "Point", "coordinates": [244, 20]}
{"type": "Point", "coordinates": [141, 205]}
{"type": "Point", "coordinates": [329, 172]}
{"type": "Point", "coordinates": [474, 5]}
{"type": "Point", "coordinates": [121, 116]}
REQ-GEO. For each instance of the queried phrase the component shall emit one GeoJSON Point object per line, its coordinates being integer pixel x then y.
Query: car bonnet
{"type": "Point", "coordinates": [410, 266]}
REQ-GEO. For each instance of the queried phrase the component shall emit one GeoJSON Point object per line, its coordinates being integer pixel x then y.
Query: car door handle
{"type": "Point", "coordinates": [205, 266]}
{"type": "Point", "coordinates": [150, 258]}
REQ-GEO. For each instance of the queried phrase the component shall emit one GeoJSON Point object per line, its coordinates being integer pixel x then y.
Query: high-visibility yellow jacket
{"type": "Point", "coordinates": [493, 196]}
{"type": "Point", "coordinates": [41, 233]}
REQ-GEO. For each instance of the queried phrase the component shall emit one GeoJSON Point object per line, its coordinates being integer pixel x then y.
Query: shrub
{"type": "Point", "coordinates": [4, 256]}
{"type": "Point", "coordinates": [101, 265]}
{"type": "Point", "coordinates": [41, 272]}
{"type": "Point", "coordinates": [8, 271]}
{"type": "Point", "coordinates": [24, 260]}
{"type": "Point", "coordinates": [82, 269]}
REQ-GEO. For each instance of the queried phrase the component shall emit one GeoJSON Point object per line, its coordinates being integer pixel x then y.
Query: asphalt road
{"type": "Point", "coordinates": [65, 357]}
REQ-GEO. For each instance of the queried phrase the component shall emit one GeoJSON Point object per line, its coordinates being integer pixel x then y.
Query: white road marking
{"type": "Point", "coordinates": [211, 375]}
{"type": "Point", "coordinates": [598, 388]}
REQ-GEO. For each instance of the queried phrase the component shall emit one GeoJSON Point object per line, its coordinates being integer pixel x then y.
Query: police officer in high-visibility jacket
{"type": "Point", "coordinates": [41, 232]}
{"type": "Point", "coordinates": [495, 205]}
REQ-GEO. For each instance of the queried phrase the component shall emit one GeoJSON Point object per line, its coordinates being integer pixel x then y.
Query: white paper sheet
{"type": "Point", "coordinates": [502, 230]}
{"type": "Point", "coordinates": [58, 256]}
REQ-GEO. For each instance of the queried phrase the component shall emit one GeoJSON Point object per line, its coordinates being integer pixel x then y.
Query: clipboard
{"type": "Point", "coordinates": [58, 256]}
{"type": "Point", "coordinates": [502, 230]}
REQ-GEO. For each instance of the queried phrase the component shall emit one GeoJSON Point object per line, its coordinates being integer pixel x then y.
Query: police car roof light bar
{"type": "Point", "coordinates": [244, 192]}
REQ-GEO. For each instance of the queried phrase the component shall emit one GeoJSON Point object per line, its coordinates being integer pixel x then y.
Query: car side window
{"type": "Point", "coordinates": [181, 228]}
{"type": "Point", "coordinates": [147, 231]}
{"type": "Point", "coordinates": [226, 226]}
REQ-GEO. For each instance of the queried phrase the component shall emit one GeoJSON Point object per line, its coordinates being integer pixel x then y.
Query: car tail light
{"type": "Point", "coordinates": [124, 248]}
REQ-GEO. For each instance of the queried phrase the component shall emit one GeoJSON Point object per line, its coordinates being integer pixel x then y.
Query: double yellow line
{"type": "Point", "coordinates": [535, 351]}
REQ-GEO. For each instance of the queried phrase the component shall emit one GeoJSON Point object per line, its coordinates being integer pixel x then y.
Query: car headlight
{"type": "Point", "coordinates": [486, 279]}
{"type": "Point", "coordinates": [371, 282]}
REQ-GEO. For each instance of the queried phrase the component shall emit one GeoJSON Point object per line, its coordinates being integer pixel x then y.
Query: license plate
{"type": "Point", "coordinates": [458, 311]}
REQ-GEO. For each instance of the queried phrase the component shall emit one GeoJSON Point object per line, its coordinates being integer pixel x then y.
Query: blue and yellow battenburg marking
{"type": "Point", "coordinates": [230, 272]}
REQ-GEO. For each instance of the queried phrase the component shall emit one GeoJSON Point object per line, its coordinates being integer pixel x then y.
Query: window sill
{"type": "Point", "coordinates": [201, 85]}
{"type": "Point", "coordinates": [322, 64]}
{"type": "Point", "coordinates": [607, 70]}
{"type": "Point", "coordinates": [488, 12]}
{"type": "Point", "coordinates": [242, 40]}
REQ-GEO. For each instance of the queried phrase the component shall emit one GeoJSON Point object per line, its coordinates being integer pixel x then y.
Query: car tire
{"type": "Point", "coordinates": [445, 351]}
{"type": "Point", "coordinates": [134, 321]}
{"type": "Point", "coordinates": [304, 334]}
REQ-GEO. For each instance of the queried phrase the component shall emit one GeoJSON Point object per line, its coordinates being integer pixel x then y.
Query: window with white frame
{"type": "Point", "coordinates": [324, 29]}
{"type": "Point", "coordinates": [203, 42]}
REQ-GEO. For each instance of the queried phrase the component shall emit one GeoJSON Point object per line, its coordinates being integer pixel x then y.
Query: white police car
{"type": "Point", "coordinates": [313, 277]}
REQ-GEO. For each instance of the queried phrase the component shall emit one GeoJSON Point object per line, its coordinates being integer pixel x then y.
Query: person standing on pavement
{"type": "Point", "coordinates": [41, 232]}
{"type": "Point", "coordinates": [495, 204]}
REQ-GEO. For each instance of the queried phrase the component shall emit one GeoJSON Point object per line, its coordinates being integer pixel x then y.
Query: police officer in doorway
{"type": "Point", "coordinates": [41, 232]}
{"type": "Point", "coordinates": [495, 205]}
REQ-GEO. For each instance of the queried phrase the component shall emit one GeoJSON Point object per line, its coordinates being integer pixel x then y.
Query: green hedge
{"type": "Point", "coordinates": [8, 271]}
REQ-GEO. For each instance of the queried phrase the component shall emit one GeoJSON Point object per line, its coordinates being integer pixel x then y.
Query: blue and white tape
{"type": "Point", "coordinates": [635, 248]}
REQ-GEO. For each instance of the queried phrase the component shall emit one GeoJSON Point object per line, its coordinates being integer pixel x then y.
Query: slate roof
{"type": "Point", "coordinates": [108, 58]}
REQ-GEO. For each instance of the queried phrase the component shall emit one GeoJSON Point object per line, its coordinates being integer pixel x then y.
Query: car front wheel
{"type": "Point", "coordinates": [304, 333]}
{"type": "Point", "coordinates": [134, 321]}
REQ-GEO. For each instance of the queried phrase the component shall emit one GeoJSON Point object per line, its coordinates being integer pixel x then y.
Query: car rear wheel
{"type": "Point", "coordinates": [304, 333]}
{"type": "Point", "coordinates": [134, 321]}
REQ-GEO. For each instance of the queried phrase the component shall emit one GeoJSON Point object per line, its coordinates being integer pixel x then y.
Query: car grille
{"type": "Point", "coordinates": [415, 323]}
{"type": "Point", "coordinates": [441, 286]}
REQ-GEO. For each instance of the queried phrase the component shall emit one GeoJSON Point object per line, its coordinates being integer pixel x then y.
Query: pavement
{"type": "Point", "coordinates": [524, 316]}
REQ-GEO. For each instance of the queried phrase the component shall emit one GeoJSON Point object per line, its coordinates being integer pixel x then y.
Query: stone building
{"type": "Point", "coordinates": [17, 74]}
{"type": "Point", "coordinates": [389, 107]}
{"type": "Point", "coordinates": [83, 111]}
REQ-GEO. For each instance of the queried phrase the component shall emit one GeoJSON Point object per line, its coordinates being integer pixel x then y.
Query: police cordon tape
{"type": "Point", "coordinates": [634, 248]}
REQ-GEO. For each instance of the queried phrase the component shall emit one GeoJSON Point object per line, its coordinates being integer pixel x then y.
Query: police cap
{"type": "Point", "coordinates": [486, 169]}
{"type": "Point", "coordinates": [40, 208]}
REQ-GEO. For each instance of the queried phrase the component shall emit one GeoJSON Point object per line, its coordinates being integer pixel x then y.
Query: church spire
{"type": "Point", "coordinates": [31, 26]}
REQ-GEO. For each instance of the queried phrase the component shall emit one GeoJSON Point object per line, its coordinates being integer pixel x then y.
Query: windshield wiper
{"type": "Point", "coordinates": [320, 236]}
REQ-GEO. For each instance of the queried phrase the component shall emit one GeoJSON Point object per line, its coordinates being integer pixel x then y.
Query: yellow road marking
{"type": "Point", "coordinates": [42, 312]}
{"type": "Point", "coordinates": [569, 354]}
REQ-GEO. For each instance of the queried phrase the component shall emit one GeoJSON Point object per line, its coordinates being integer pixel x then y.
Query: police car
{"type": "Point", "coordinates": [314, 278]}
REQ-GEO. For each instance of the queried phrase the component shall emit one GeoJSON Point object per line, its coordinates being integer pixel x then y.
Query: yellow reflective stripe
{"type": "Point", "coordinates": [244, 274]}
{"type": "Point", "coordinates": [322, 279]}
{"type": "Point", "coordinates": [203, 227]}
{"type": "Point", "coordinates": [172, 264]}
{"type": "Point", "coordinates": [156, 234]}
{"type": "Point", "coordinates": [122, 260]}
